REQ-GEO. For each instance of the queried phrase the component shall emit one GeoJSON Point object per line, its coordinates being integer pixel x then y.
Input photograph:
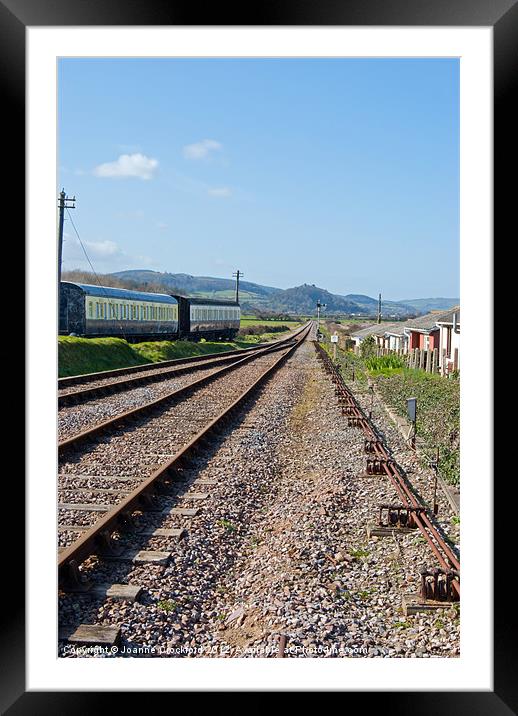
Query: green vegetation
{"type": "Point", "coordinates": [359, 553]}
{"type": "Point", "coordinates": [88, 355]}
{"type": "Point", "coordinates": [227, 525]}
{"type": "Point", "coordinates": [247, 321]}
{"type": "Point", "coordinates": [384, 365]}
{"type": "Point", "coordinates": [438, 398]}
{"type": "Point", "coordinates": [155, 351]}
{"type": "Point", "coordinates": [438, 413]}
{"type": "Point", "coordinates": [260, 328]}
{"type": "Point", "coordinates": [167, 605]}
{"type": "Point", "coordinates": [368, 347]}
{"type": "Point", "coordinates": [77, 356]}
{"type": "Point", "coordinates": [366, 593]}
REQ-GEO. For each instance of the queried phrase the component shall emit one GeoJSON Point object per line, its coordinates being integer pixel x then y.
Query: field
{"type": "Point", "coordinates": [254, 321]}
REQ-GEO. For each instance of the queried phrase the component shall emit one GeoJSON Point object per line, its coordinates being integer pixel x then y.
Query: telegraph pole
{"type": "Point", "coordinates": [379, 308]}
{"type": "Point", "coordinates": [62, 204]}
{"type": "Point", "coordinates": [237, 275]}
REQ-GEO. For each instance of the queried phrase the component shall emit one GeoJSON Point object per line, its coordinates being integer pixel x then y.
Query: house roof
{"type": "Point", "coordinates": [422, 323]}
{"type": "Point", "coordinates": [427, 322]}
{"type": "Point", "coordinates": [379, 329]}
{"type": "Point", "coordinates": [448, 317]}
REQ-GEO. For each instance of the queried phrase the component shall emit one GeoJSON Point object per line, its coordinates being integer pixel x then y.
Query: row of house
{"type": "Point", "coordinates": [438, 330]}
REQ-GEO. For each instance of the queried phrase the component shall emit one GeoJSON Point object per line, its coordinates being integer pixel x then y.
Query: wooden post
{"type": "Point", "coordinates": [435, 366]}
{"type": "Point", "coordinates": [456, 359]}
{"type": "Point", "coordinates": [429, 361]}
{"type": "Point", "coordinates": [421, 359]}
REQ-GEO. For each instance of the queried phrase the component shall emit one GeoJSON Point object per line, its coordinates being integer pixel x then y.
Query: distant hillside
{"type": "Point", "coordinates": [425, 305]}
{"type": "Point", "coordinates": [255, 297]}
{"type": "Point", "coordinates": [203, 286]}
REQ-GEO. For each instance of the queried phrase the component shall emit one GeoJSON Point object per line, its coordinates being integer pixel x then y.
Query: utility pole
{"type": "Point", "coordinates": [237, 275]}
{"type": "Point", "coordinates": [379, 308]}
{"type": "Point", "coordinates": [62, 204]}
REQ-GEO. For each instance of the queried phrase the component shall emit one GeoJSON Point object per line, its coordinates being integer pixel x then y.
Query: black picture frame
{"type": "Point", "coordinates": [502, 15]}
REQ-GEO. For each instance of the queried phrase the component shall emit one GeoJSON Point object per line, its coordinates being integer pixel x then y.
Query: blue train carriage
{"type": "Point", "coordinates": [208, 318]}
{"type": "Point", "coordinates": [86, 310]}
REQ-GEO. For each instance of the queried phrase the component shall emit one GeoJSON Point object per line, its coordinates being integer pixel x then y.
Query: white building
{"type": "Point", "coordinates": [449, 341]}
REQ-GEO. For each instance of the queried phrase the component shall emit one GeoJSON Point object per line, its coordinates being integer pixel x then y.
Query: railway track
{"type": "Point", "coordinates": [96, 385]}
{"type": "Point", "coordinates": [93, 410]}
{"type": "Point", "coordinates": [113, 475]}
{"type": "Point", "coordinates": [441, 584]}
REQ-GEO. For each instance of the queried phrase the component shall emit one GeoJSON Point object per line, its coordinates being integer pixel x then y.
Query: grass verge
{"type": "Point", "coordinates": [78, 356]}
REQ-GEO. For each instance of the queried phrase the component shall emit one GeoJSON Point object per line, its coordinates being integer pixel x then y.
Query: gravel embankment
{"type": "Point", "coordinates": [278, 546]}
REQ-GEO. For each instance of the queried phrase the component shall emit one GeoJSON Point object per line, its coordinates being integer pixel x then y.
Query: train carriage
{"type": "Point", "coordinates": [208, 318]}
{"type": "Point", "coordinates": [87, 310]}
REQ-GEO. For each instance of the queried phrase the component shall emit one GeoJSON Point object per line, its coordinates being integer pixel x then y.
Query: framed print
{"type": "Point", "coordinates": [259, 195]}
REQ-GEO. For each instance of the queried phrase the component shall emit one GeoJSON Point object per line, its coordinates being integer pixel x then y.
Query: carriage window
{"type": "Point", "coordinates": [90, 309]}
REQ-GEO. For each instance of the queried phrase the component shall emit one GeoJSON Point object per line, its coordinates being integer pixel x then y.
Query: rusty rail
{"type": "Point", "coordinates": [380, 462]}
{"type": "Point", "coordinates": [134, 413]}
{"type": "Point", "coordinates": [121, 514]}
{"type": "Point", "coordinates": [85, 394]}
{"type": "Point", "coordinates": [69, 381]}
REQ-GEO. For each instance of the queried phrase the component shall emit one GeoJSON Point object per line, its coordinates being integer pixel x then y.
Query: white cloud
{"type": "Point", "coordinates": [101, 248]}
{"type": "Point", "coordinates": [221, 191]}
{"type": "Point", "coordinates": [128, 165]}
{"type": "Point", "coordinates": [105, 255]}
{"type": "Point", "coordinates": [162, 225]}
{"type": "Point", "coordinates": [201, 150]}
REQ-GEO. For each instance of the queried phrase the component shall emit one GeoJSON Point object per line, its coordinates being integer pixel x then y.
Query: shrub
{"type": "Point", "coordinates": [368, 347]}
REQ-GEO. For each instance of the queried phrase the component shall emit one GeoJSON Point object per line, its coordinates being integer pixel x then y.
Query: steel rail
{"type": "Point", "coordinates": [88, 543]}
{"type": "Point", "coordinates": [448, 559]}
{"type": "Point", "coordinates": [109, 388]}
{"type": "Point", "coordinates": [89, 433]}
{"type": "Point", "coordinates": [71, 380]}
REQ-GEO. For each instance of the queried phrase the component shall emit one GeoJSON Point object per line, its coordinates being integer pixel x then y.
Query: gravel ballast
{"type": "Point", "coordinates": [279, 545]}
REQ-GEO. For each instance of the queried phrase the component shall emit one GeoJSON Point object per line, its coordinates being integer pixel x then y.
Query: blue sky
{"type": "Point", "coordinates": [337, 172]}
